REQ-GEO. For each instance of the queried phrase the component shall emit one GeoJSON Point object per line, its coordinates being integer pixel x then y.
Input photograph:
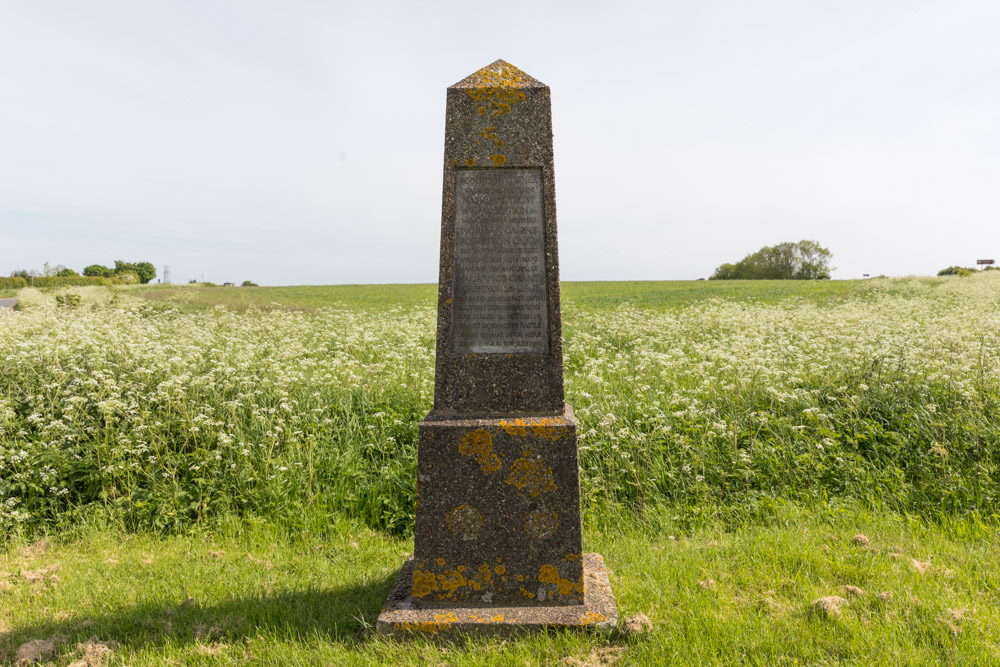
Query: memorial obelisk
{"type": "Point", "coordinates": [497, 538]}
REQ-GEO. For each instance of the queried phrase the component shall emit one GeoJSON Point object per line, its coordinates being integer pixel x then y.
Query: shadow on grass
{"type": "Point", "coordinates": [340, 615]}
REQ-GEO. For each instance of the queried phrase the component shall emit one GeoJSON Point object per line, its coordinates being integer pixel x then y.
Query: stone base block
{"type": "Point", "coordinates": [400, 618]}
{"type": "Point", "coordinates": [498, 512]}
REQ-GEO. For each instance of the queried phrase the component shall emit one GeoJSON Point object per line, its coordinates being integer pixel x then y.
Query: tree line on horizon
{"type": "Point", "coordinates": [805, 260]}
{"type": "Point", "coordinates": [139, 272]}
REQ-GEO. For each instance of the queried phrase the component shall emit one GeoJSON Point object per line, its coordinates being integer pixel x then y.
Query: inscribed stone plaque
{"type": "Point", "coordinates": [500, 296]}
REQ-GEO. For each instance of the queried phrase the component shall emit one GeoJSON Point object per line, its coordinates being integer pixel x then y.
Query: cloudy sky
{"type": "Point", "coordinates": [294, 142]}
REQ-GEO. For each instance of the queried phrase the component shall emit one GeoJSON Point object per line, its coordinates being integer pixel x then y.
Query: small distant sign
{"type": "Point", "coordinates": [985, 261]}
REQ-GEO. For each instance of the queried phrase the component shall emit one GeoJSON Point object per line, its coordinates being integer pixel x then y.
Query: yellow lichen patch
{"type": "Point", "coordinates": [489, 133]}
{"type": "Point", "coordinates": [497, 90]}
{"type": "Point", "coordinates": [440, 562]}
{"type": "Point", "coordinates": [479, 444]}
{"type": "Point", "coordinates": [498, 160]}
{"type": "Point", "coordinates": [485, 573]}
{"type": "Point", "coordinates": [424, 583]}
{"type": "Point", "coordinates": [451, 581]}
{"type": "Point", "coordinates": [515, 427]}
{"type": "Point", "coordinates": [440, 622]}
{"type": "Point", "coordinates": [471, 162]}
{"type": "Point", "coordinates": [572, 556]}
{"type": "Point", "coordinates": [547, 428]}
{"type": "Point", "coordinates": [548, 574]}
{"type": "Point", "coordinates": [498, 618]}
{"type": "Point", "coordinates": [499, 569]}
{"type": "Point", "coordinates": [591, 617]}
{"type": "Point", "coordinates": [532, 475]}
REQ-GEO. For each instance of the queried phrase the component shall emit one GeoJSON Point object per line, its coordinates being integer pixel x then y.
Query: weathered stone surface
{"type": "Point", "coordinates": [401, 618]}
{"type": "Point", "coordinates": [498, 239]}
{"type": "Point", "coordinates": [498, 545]}
{"type": "Point", "coordinates": [500, 302]}
{"type": "Point", "coordinates": [498, 512]}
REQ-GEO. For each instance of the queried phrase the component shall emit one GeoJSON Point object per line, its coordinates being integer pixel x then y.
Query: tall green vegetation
{"type": "Point", "coordinates": [145, 271]}
{"type": "Point", "coordinates": [717, 411]}
{"type": "Point", "coordinates": [805, 260]}
{"type": "Point", "coordinates": [98, 271]}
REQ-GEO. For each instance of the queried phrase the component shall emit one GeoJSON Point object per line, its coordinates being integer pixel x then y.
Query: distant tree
{"type": "Point", "coordinates": [66, 273]}
{"type": "Point", "coordinates": [144, 270]}
{"type": "Point", "coordinates": [956, 271]}
{"type": "Point", "coordinates": [805, 260]}
{"type": "Point", "coordinates": [249, 283]}
{"type": "Point", "coordinates": [21, 273]}
{"type": "Point", "coordinates": [98, 271]}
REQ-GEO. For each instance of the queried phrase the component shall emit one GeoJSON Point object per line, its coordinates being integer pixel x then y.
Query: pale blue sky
{"type": "Point", "coordinates": [301, 142]}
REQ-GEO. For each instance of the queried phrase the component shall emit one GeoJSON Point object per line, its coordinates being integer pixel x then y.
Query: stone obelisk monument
{"type": "Point", "coordinates": [498, 539]}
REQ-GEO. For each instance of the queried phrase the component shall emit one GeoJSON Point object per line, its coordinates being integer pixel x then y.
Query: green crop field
{"type": "Point", "coordinates": [213, 475]}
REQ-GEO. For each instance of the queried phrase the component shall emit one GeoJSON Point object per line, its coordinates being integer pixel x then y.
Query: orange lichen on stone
{"type": "Point", "coordinates": [479, 443]}
{"type": "Point", "coordinates": [499, 569]}
{"type": "Point", "coordinates": [498, 618]}
{"type": "Point", "coordinates": [515, 427]}
{"type": "Point", "coordinates": [548, 428]}
{"type": "Point", "coordinates": [496, 88]}
{"type": "Point", "coordinates": [424, 583]}
{"type": "Point", "coordinates": [591, 617]}
{"type": "Point", "coordinates": [440, 622]}
{"type": "Point", "coordinates": [532, 475]}
{"type": "Point", "coordinates": [471, 162]}
{"type": "Point", "coordinates": [489, 133]}
{"type": "Point", "coordinates": [548, 574]}
{"type": "Point", "coordinates": [499, 160]}
{"type": "Point", "coordinates": [451, 581]}
{"type": "Point", "coordinates": [440, 562]}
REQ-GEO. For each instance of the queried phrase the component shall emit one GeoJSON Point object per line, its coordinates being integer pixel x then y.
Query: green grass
{"type": "Point", "coordinates": [301, 297]}
{"type": "Point", "coordinates": [251, 591]}
{"type": "Point", "coordinates": [775, 420]}
{"type": "Point", "coordinates": [656, 295]}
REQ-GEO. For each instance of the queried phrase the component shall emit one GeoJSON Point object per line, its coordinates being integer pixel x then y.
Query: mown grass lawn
{"type": "Point", "coordinates": [249, 591]}
{"type": "Point", "coordinates": [225, 475]}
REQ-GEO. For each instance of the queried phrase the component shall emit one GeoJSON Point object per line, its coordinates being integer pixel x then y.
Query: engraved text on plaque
{"type": "Point", "coordinates": [500, 298]}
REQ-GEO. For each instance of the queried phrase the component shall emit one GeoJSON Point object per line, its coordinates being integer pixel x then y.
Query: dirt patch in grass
{"type": "Point", "coordinates": [854, 591]}
{"type": "Point", "coordinates": [44, 574]}
{"type": "Point", "coordinates": [827, 607]}
{"type": "Point", "coordinates": [599, 657]}
{"type": "Point", "coordinates": [93, 653]}
{"type": "Point", "coordinates": [36, 549]}
{"type": "Point", "coordinates": [38, 650]}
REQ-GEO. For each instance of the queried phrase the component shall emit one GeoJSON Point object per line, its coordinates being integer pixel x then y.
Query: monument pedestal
{"type": "Point", "coordinates": [498, 545]}
{"type": "Point", "coordinates": [402, 615]}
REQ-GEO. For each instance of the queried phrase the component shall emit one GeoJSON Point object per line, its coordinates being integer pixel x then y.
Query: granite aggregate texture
{"type": "Point", "coordinates": [513, 130]}
{"type": "Point", "coordinates": [498, 511]}
{"type": "Point", "coordinates": [401, 618]}
{"type": "Point", "coordinates": [498, 545]}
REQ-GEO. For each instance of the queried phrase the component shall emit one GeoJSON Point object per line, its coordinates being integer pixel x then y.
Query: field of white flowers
{"type": "Point", "coordinates": [721, 410]}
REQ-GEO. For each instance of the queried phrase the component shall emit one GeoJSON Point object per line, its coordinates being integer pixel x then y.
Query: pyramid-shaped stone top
{"type": "Point", "coordinates": [499, 74]}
